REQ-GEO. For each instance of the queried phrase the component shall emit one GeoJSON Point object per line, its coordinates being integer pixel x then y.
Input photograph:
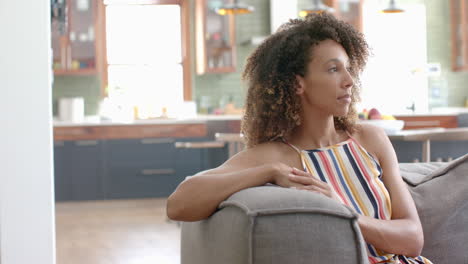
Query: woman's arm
{"type": "Point", "coordinates": [197, 197]}
{"type": "Point", "coordinates": [403, 233]}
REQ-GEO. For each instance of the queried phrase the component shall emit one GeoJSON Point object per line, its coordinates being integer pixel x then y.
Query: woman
{"type": "Point", "coordinates": [300, 132]}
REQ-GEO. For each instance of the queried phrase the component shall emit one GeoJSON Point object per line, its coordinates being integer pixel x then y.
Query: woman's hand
{"type": "Point", "coordinates": [281, 174]}
{"type": "Point", "coordinates": [310, 183]}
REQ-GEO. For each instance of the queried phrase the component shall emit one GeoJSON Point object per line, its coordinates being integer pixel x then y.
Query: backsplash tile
{"type": "Point", "coordinates": [87, 87]}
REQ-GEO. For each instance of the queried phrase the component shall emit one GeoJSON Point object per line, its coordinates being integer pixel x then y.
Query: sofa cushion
{"type": "Point", "coordinates": [440, 192]}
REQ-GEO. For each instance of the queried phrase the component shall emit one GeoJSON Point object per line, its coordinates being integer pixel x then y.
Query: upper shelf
{"type": "Point", "coordinates": [215, 39]}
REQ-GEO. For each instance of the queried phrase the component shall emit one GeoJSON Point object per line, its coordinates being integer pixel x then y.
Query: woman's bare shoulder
{"type": "Point", "coordinates": [370, 137]}
{"type": "Point", "coordinates": [261, 154]}
{"type": "Point", "coordinates": [266, 152]}
{"type": "Point", "coordinates": [367, 131]}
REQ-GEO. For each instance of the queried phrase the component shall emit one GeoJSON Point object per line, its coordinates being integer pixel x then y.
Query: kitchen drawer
{"type": "Point", "coordinates": [148, 151]}
{"type": "Point", "coordinates": [417, 122]}
{"type": "Point", "coordinates": [137, 182]}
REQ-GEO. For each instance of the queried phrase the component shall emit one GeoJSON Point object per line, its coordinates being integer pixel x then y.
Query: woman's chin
{"type": "Point", "coordinates": [342, 113]}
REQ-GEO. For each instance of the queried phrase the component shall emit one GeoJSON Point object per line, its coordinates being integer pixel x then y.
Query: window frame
{"type": "Point", "coordinates": [185, 39]}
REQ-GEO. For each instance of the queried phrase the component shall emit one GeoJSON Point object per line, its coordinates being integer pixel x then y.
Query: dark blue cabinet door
{"type": "Point", "coordinates": [189, 161]}
{"type": "Point", "coordinates": [193, 160]}
{"type": "Point", "coordinates": [143, 152]}
{"type": "Point", "coordinates": [86, 166]}
{"type": "Point", "coordinates": [139, 168]}
{"type": "Point", "coordinates": [214, 157]}
{"type": "Point", "coordinates": [130, 168]}
{"type": "Point", "coordinates": [62, 176]}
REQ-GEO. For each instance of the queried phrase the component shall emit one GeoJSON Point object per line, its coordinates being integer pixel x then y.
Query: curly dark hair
{"type": "Point", "coordinates": [272, 105]}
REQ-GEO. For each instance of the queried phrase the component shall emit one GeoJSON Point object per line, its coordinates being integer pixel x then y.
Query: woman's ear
{"type": "Point", "coordinates": [300, 84]}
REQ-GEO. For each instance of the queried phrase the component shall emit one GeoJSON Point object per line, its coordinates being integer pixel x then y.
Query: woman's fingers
{"type": "Point", "coordinates": [307, 178]}
{"type": "Point", "coordinates": [309, 181]}
{"type": "Point", "coordinates": [301, 179]}
{"type": "Point", "coordinates": [311, 184]}
{"type": "Point", "coordinates": [300, 172]}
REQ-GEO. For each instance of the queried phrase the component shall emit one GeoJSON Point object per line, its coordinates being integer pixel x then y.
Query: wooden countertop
{"type": "Point", "coordinates": [199, 126]}
{"type": "Point", "coordinates": [90, 132]}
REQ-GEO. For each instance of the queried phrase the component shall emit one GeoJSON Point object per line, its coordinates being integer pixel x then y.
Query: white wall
{"type": "Point", "coordinates": [395, 75]}
{"type": "Point", "coordinates": [26, 193]}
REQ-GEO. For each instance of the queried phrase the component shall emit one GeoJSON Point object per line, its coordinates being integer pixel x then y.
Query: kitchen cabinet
{"type": "Point", "coordinates": [127, 168]}
{"type": "Point", "coordinates": [78, 37]}
{"type": "Point", "coordinates": [440, 150]}
{"type": "Point", "coordinates": [128, 161]}
{"type": "Point", "coordinates": [78, 168]}
{"type": "Point", "coordinates": [62, 176]}
{"type": "Point", "coordinates": [215, 38]}
{"type": "Point", "coordinates": [86, 168]}
{"type": "Point", "coordinates": [140, 168]}
{"type": "Point", "coordinates": [152, 167]}
{"type": "Point", "coordinates": [408, 151]}
{"type": "Point", "coordinates": [459, 32]}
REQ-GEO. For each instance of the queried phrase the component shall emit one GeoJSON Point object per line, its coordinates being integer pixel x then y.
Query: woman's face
{"type": "Point", "coordinates": [326, 86]}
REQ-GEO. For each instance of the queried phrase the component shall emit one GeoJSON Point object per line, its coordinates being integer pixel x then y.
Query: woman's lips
{"type": "Point", "coordinates": [345, 98]}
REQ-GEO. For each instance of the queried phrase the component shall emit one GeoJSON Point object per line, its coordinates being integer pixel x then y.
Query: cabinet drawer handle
{"type": "Point", "coordinates": [157, 171]}
{"type": "Point", "coordinates": [59, 143]}
{"type": "Point", "coordinates": [156, 140]}
{"type": "Point", "coordinates": [86, 143]}
{"type": "Point", "coordinates": [206, 144]}
{"type": "Point", "coordinates": [423, 123]}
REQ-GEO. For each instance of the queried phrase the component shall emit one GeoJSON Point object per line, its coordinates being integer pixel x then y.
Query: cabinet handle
{"type": "Point", "coordinates": [206, 144]}
{"type": "Point", "coordinates": [147, 172]}
{"type": "Point", "coordinates": [423, 123]}
{"type": "Point", "coordinates": [59, 143]}
{"type": "Point", "coordinates": [86, 143]}
{"type": "Point", "coordinates": [156, 140]}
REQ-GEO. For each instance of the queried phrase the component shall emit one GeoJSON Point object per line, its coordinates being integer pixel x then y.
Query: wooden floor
{"type": "Point", "coordinates": [116, 232]}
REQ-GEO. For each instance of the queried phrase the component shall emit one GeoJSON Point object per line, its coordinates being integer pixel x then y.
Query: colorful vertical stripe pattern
{"type": "Point", "coordinates": [356, 178]}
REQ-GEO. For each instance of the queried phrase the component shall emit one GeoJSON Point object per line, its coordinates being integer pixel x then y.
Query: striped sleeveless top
{"type": "Point", "coordinates": [356, 177]}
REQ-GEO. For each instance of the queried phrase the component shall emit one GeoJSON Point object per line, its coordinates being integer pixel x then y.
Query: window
{"type": "Point", "coordinates": [145, 54]}
{"type": "Point", "coordinates": [394, 79]}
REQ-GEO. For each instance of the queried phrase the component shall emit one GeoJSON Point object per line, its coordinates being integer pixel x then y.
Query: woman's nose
{"type": "Point", "coordinates": [348, 81]}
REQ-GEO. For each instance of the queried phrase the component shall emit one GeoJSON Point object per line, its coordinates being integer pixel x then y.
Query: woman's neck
{"type": "Point", "coordinates": [316, 131]}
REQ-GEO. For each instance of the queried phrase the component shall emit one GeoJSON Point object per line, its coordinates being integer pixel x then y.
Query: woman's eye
{"type": "Point", "coordinates": [333, 69]}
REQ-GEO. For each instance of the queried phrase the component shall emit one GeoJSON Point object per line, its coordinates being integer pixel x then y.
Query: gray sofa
{"type": "Point", "coordinates": [272, 225]}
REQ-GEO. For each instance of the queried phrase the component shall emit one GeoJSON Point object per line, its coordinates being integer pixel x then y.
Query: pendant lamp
{"type": "Point", "coordinates": [317, 7]}
{"type": "Point", "coordinates": [392, 8]}
{"type": "Point", "coordinates": [235, 8]}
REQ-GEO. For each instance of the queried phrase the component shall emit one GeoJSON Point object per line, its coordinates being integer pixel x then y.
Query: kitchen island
{"type": "Point", "coordinates": [113, 160]}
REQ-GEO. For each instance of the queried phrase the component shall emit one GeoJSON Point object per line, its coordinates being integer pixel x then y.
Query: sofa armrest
{"type": "Point", "coordinates": [271, 224]}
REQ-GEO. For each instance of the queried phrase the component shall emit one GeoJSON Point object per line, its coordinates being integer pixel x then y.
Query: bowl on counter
{"type": "Point", "coordinates": [390, 126]}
